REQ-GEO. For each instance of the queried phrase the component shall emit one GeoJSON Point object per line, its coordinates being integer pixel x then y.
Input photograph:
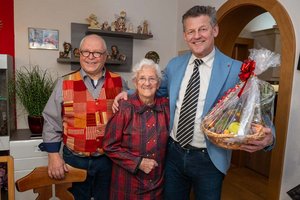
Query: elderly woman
{"type": "Point", "coordinates": [136, 138]}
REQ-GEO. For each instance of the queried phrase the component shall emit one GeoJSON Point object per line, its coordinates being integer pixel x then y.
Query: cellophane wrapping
{"type": "Point", "coordinates": [244, 110]}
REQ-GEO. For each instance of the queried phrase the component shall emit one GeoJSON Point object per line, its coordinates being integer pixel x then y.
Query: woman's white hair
{"type": "Point", "coordinates": [139, 66]}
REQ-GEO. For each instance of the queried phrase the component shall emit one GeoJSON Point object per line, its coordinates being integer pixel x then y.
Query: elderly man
{"type": "Point", "coordinates": [76, 114]}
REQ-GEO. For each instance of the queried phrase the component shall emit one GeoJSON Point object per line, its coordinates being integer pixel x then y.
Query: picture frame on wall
{"type": "Point", "coordinates": [41, 38]}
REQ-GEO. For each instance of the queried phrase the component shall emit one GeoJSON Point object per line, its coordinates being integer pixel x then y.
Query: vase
{"type": "Point", "coordinates": [35, 124]}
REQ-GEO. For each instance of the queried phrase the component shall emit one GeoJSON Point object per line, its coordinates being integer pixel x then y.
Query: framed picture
{"type": "Point", "coordinates": [40, 38]}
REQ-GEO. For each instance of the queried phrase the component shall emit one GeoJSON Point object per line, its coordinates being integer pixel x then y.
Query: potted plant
{"type": "Point", "coordinates": [32, 87]}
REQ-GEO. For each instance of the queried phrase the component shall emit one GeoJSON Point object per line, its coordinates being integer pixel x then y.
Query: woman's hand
{"type": "Point", "coordinates": [115, 106]}
{"type": "Point", "coordinates": [147, 165]}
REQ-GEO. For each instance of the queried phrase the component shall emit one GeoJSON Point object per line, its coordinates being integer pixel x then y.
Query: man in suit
{"type": "Point", "coordinates": [199, 164]}
{"type": "Point", "coordinates": [193, 161]}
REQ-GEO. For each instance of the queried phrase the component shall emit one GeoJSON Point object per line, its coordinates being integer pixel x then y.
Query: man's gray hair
{"type": "Point", "coordinates": [197, 11]}
{"type": "Point", "coordinates": [93, 35]}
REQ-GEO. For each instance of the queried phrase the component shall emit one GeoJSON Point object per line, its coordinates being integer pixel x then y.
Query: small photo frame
{"type": "Point", "coordinates": [41, 38]}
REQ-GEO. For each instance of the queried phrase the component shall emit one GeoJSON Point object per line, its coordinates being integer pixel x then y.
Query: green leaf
{"type": "Point", "coordinates": [32, 87]}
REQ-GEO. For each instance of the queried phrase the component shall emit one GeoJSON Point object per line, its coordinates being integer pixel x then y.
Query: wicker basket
{"type": "Point", "coordinates": [219, 137]}
{"type": "Point", "coordinates": [231, 141]}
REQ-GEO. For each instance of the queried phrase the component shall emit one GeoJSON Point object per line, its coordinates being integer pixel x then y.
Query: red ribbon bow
{"type": "Point", "coordinates": [246, 71]}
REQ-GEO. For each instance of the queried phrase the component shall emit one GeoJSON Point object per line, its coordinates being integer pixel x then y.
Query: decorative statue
{"type": "Point", "coordinates": [94, 24]}
{"type": "Point", "coordinates": [105, 26]}
{"type": "Point", "coordinates": [76, 53]}
{"type": "Point", "coordinates": [139, 29]}
{"type": "Point", "coordinates": [121, 22]}
{"type": "Point", "coordinates": [113, 26]}
{"type": "Point", "coordinates": [145, 27]}
{"type": "Point", "coordinates": [115, 54]}
{"type": "Point", "coordinates": [130, 28]}
{"type": "Point", "coordinates": [122, 57]}
{"type": "Point", "coordinates": [153, 56]}
{"type": "Point", "coordinates": [67, 48]}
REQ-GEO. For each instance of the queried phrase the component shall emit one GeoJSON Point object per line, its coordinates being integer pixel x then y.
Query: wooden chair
{"type": "Point", "coordinates": [47, 188]}
{"type": "Point", "coordinates": [10, 175]}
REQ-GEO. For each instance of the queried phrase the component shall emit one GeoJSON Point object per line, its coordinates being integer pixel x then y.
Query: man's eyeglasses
{"type": "Point", "coordinates": [95, 54]}
{"type": "Point", "coordinates": [151, 80]}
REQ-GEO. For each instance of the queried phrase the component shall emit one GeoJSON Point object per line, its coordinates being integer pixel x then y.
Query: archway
{"type": "Point", "coordinates": [233, 16]}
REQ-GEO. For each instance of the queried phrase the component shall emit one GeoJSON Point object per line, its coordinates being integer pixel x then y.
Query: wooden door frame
{"type": "Point", "coordinates": [233, 16]}
{"type": "Point", "coordinates": [244, 41]}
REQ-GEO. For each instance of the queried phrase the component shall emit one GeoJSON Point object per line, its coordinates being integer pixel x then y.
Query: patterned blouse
{"type": "Point", "coordinates": [137, 131]}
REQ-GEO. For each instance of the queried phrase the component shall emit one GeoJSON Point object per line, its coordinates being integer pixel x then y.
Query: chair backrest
{"type": "Point", "coordinates": [48, 188]}
{"type": "Point", "coordinates": [10, 175]}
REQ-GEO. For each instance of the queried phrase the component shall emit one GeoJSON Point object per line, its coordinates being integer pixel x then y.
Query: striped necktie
{"type": "Point", "coordinates": [188, 109]}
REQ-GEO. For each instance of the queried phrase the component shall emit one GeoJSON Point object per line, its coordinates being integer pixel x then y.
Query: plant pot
{"type": "Point", "coordinates": [35, 124]}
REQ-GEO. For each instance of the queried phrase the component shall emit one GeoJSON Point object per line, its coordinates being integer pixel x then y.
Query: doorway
{"type": "Point", "coordinates": [232, 18]}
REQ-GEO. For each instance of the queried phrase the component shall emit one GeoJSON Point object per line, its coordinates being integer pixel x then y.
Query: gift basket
{"type": "Point", "coordinates": [244, 110]}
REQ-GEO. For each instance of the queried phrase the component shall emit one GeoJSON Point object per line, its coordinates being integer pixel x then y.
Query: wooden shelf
{"type": "Point", "coordinates": [67, 60]}
{"type": "Point", "coordinates": [76, 60]}
{"type": "Point", "coordinates": [123, 40]}
{"type": "Point", "coordinates": [119, 34]}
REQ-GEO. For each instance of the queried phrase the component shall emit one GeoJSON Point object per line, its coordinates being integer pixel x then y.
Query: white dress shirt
{"type": "Point", "coordinates": [205, 72]}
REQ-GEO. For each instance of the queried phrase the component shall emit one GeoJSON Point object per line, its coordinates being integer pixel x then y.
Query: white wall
{"type": "Point", "coordinates": [57, 14]}
{"type": "Point", "coordinates": [291, 170]}
{"type": "Point", "coordinates": [261, 22]}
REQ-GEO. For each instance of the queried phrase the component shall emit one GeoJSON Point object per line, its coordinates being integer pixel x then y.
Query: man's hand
{"type": "Point", "coordinates": [253, 145]}
{"type": "Point", "coordinates": [147, 165]}
{"type": "Point", "coordinates": [56, 166]}
{"type": "Point", "coordinates": [115, 106]}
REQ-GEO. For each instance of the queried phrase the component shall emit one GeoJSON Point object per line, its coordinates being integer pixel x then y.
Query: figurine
{"type": "Point", "coordinates": [76, 53]}
{"type": "Point", "coordinates": [130, 28]}
{"type": "Point", "coordinates": [145, 27]}
{"type": "Point", "coordinates": [139, 29]}
{"type": "Point", "coordinates": [121, 22]}
{"type": "Point", "coordinates": [94, 24]}
{"type": "Point", "coordinates": [122, 57]}
{"type": "Point", "coordinates": [67, 48]}
{"type": "Point", "coordinates": [113, 26]}
{"type": "Point", "coordinates": [61, 54]}
{"type": "Point", "coordinates": [105, 26]}
{"type": "Point", "coordinates": [153, 56]}
{"type": "Point", "coordinates": [114, 52]}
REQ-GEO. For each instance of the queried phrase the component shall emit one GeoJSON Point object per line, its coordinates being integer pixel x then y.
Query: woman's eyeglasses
{"type": "Point", "coordinates": [151, 80]}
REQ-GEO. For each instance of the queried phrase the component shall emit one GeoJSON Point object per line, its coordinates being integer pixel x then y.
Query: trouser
{"type": "Point", "coordinates": [97, 183]}
{"type": "Point", "coordinates": [191, 168]}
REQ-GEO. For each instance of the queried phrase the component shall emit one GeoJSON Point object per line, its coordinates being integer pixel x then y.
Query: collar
{"type": "Point", "coordinates": [140, 107]}
{"type": "Point", "coordinates": [208, 60]}
{"type": "Point", "coordinates": [84, 74]}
